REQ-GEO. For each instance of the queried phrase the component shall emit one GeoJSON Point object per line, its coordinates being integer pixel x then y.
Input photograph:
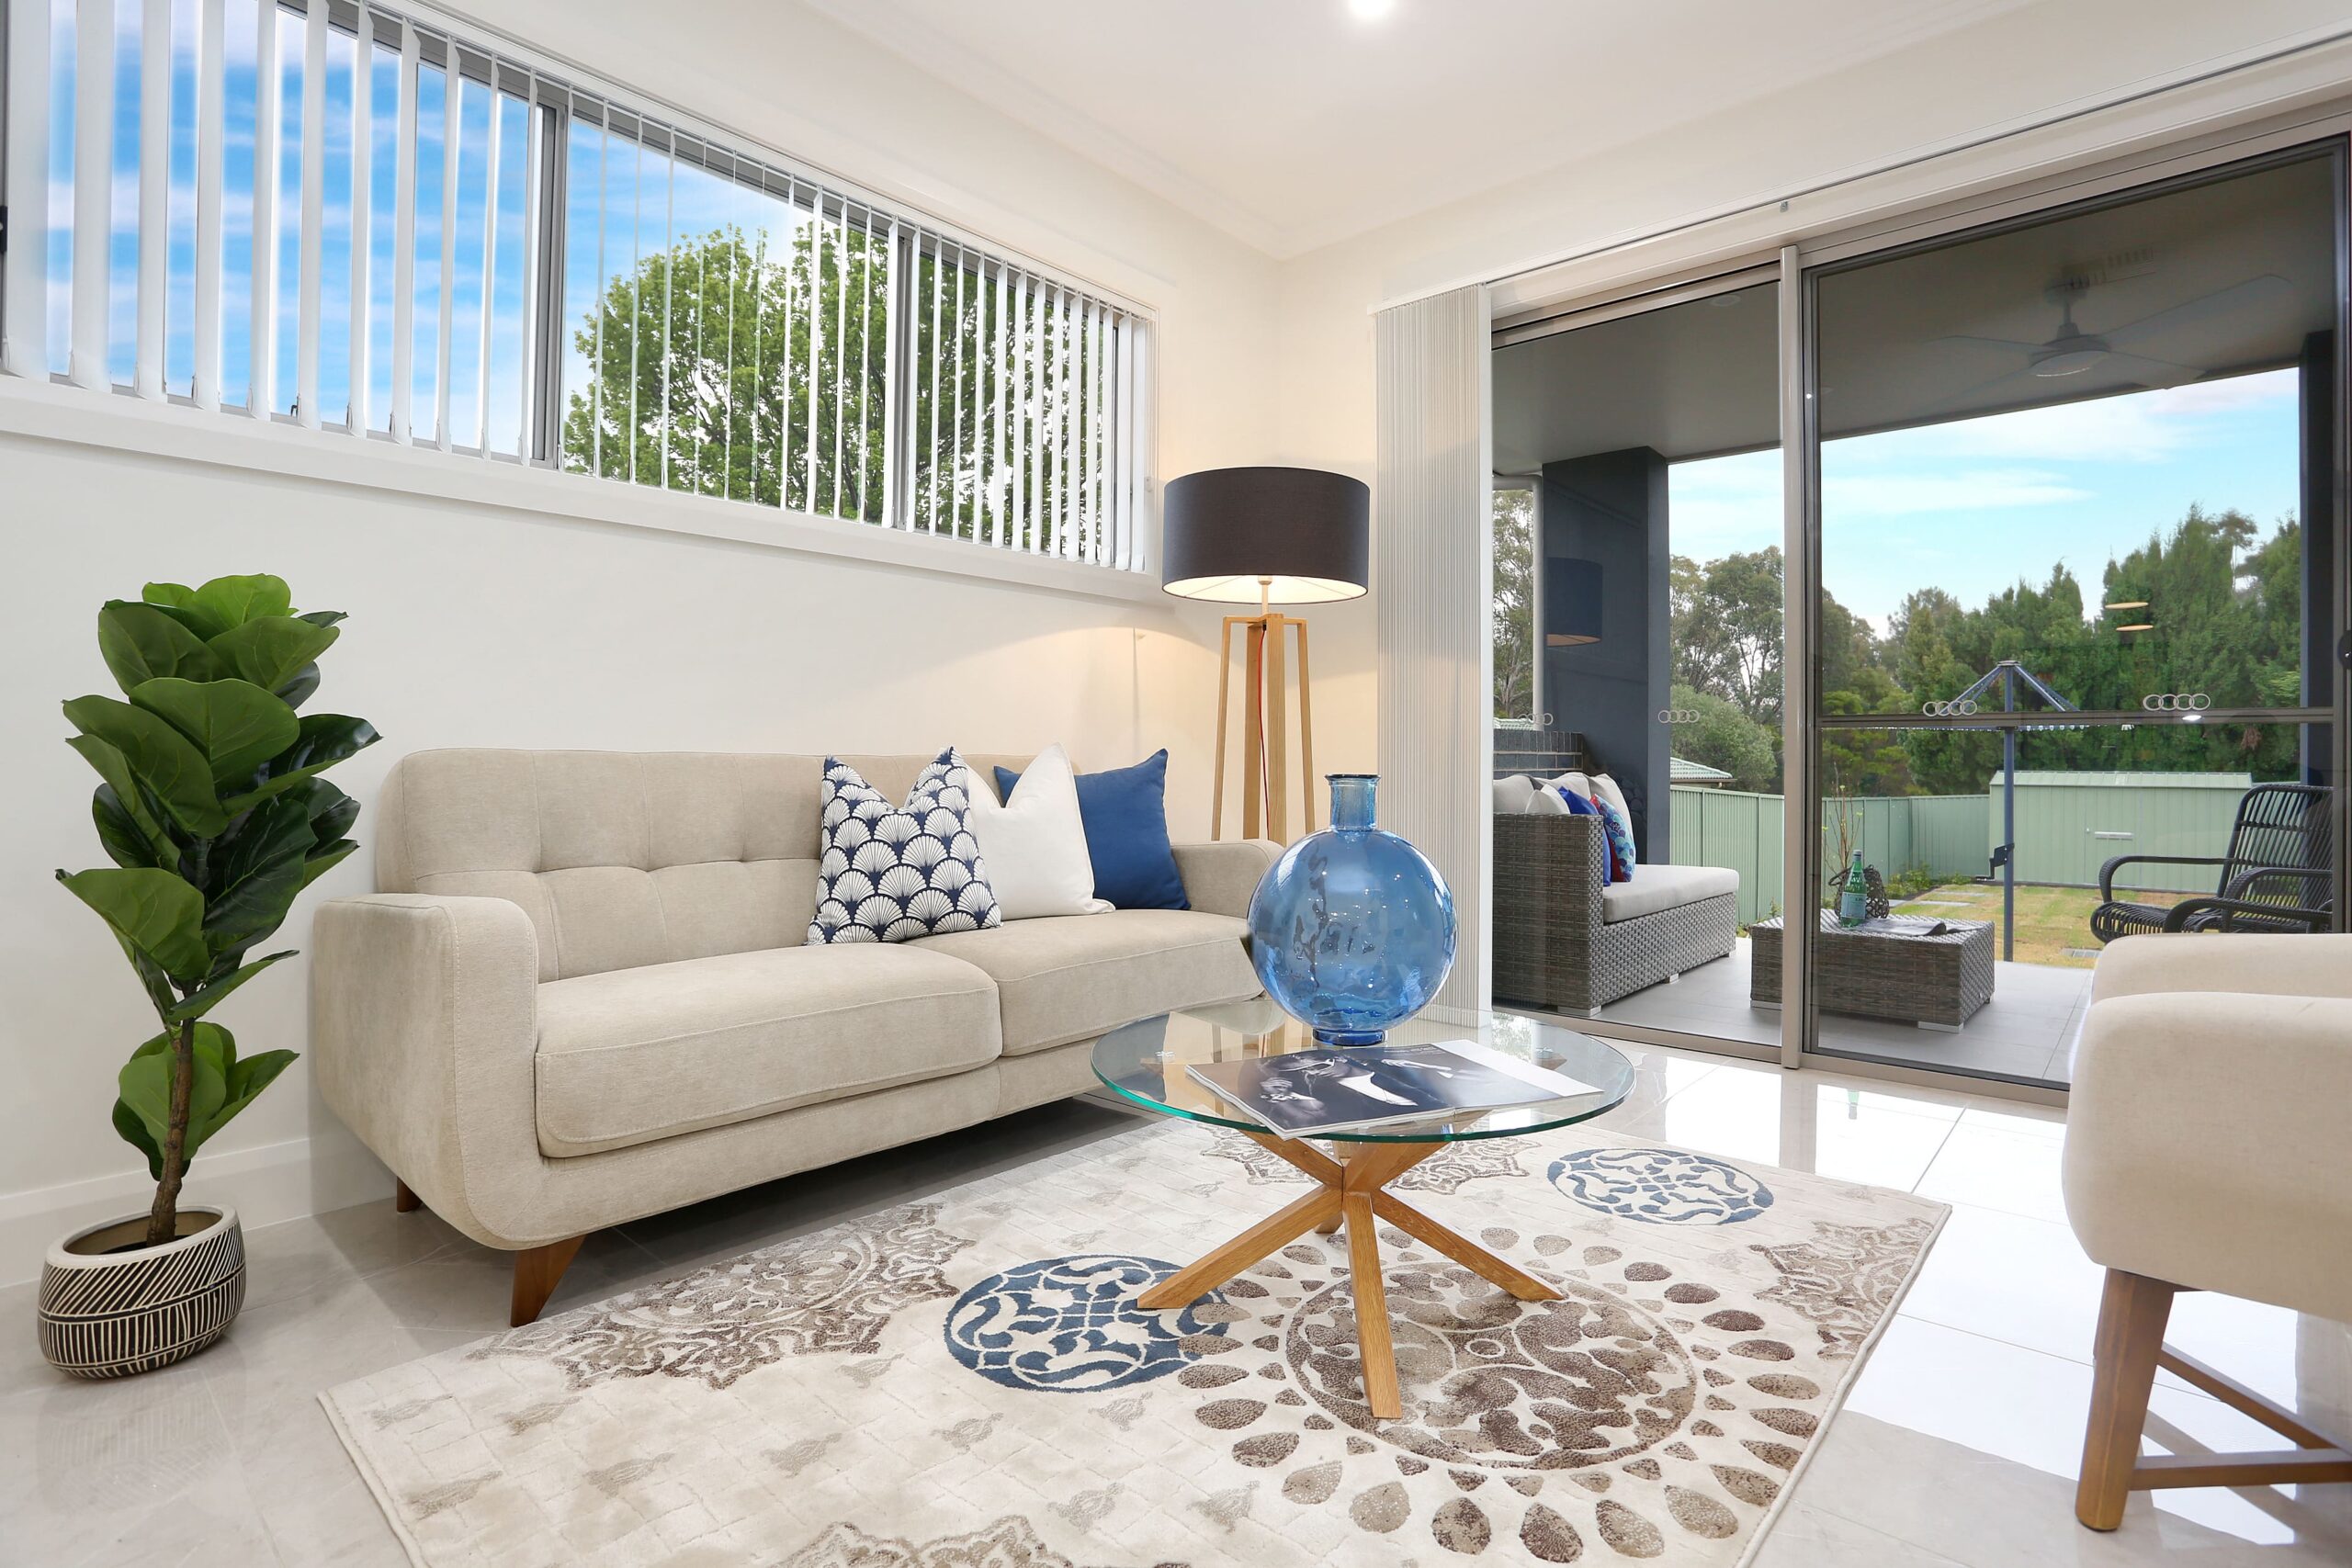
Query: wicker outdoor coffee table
{"type": "Point", "coordinates": [1887, 967]}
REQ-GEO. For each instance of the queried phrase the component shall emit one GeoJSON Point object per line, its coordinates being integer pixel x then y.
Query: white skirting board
{"type": "Point", "coordinates": [272, 1182]}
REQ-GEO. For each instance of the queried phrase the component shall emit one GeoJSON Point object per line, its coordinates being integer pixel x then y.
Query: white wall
{"type": "Point", "coordinates": [481, 624]}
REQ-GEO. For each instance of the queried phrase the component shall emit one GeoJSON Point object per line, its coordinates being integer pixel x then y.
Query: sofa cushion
{"type": "Point", "coordinates": [1072, 976]}
{"type": "Point", "coordinates": [1657, 887]}
{"type": "Point", "coordinates": [629, 1056]}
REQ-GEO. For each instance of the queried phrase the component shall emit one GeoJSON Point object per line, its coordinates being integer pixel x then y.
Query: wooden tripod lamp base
{"type": "Point", "coordinates": [1265, 727]}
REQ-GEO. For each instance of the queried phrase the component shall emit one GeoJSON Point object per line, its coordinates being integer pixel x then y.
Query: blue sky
{"type": "Point", "coordinates": [1973, 506]}
{"type": "Point", "coordinates": [640, 198]}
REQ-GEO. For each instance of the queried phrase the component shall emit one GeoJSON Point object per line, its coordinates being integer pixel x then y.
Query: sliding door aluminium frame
{"type": "Point", "coordinates": [1794, 267]}
{"type": "Point", "coordinates": [2217, 159]}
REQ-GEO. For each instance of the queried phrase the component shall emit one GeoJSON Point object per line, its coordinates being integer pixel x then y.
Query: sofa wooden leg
{"type": "Point", "coordinates": [2131, 1316]}
{"type": "Point", "coordinates": [403, 1201]}
{"type": "Point", "coordinates": [537, 1270]}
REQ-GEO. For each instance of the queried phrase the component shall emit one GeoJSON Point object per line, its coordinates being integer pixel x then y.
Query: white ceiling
{"type": "Point", "coordinates": [1291, 124]}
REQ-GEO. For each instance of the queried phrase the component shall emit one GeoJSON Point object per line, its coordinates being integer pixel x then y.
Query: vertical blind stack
{"type": "Point", "coordinates": [329, 214]}
{"type": "Point", "coordinates": [1028, 404]}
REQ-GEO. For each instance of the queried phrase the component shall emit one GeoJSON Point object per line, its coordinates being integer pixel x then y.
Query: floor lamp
{"type": "Point", "coordinates": [1265, 537]}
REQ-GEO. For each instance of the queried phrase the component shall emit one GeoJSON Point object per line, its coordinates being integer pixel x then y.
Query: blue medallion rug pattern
{"type": "Point", "coordinates": [1663, 1187]}
{"type": "Point", "coordinates": [1071, 1325]}
{"type": "Point", "coordinates": [965, 1382]}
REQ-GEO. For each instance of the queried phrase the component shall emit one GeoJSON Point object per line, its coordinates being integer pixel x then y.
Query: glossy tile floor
{"type": "Point", "coordinates": [2025, 1034]}
{"type": "Point", "coordinates": [1957, 1447]}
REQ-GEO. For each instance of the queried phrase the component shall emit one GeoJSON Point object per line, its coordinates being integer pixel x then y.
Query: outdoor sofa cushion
{"type": "Point", "coordinates": [1657, 887]}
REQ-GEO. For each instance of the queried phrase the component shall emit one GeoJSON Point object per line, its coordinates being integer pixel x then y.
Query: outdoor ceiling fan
{"type": "Point", "coordinates": [2070, 351]}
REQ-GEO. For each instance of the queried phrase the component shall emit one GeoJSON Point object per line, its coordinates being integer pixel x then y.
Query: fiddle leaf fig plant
{"type": "Point", "coordinates": [210, 806]}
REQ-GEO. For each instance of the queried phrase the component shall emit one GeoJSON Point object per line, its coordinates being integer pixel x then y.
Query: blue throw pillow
{"type": "Point", "coordinates": [1124, 812]}
{"type": "Point", "coordinates": [1620, 842]}
{"type": "Point", "coordinates": [1578, 805]}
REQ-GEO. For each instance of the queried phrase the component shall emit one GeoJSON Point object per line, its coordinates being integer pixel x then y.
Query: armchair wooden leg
{"type": "Point", "coordinates": [2132, 1315]}
{"type": "Point", "coordinates": [403, 1201]}
{"type": "Point", "coordinates": [537, 1270]}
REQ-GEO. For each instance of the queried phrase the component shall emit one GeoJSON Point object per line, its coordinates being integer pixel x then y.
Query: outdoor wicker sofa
{"type": "Point", "coordinates": [1568, 939]}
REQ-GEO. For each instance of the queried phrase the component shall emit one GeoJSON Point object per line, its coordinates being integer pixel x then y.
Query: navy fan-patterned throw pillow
{"type": "Point", "coordinates": [890, 873]}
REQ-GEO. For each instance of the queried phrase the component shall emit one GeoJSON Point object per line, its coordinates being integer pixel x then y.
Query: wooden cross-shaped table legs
{"type": "Point", "coordinates": [1352, 1192]}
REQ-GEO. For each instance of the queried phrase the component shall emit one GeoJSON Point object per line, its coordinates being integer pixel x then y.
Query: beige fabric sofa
{"type": "Point", "coordinates": [583, 995]}
{"type": "Point", "coordinates": [2206, 1151]}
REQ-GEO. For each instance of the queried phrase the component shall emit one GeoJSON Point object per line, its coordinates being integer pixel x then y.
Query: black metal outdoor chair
{"type": "Point", "coordinates": [2278, 875]}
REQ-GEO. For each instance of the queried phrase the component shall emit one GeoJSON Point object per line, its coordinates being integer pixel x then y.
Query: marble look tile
{"type": "Point", "coordinates": [140, 1471]}
{"type": "Point", "coordinates": [1807, 1537]}
{"type": "Point", "coordinates": [2015, 1417]}
{"type": "Point", "coordinates": [1998, 1167]}
{"type": "Point", "coordinates": [1799, 1120]}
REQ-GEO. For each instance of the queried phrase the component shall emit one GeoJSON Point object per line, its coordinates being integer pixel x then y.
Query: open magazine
{"type": "Point", "coordinates": [1303, 1094]}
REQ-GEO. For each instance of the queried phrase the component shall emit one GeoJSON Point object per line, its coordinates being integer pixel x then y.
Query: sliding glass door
{"type": "Point", "coordinates": [2036, 642]}
{"type": "Point", "coordinates": [1638, 659]}
{"type": "Point", "coordinates": [2077, 588]}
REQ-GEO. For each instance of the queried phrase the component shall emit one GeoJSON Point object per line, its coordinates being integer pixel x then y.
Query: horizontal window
{"type": "Point", "coordinates": [349, 220]}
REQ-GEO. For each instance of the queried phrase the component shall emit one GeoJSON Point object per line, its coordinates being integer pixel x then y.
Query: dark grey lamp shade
{"type": "Point", "coordinates": [1302, 533]}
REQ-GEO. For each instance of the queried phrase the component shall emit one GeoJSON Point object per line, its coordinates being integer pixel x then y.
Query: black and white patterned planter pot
{"type": "Point", "coordinates": [109, 1314]}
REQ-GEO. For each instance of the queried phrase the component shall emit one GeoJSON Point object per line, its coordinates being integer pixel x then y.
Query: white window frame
{"type": "Point", "coordinates": [1105, 561]}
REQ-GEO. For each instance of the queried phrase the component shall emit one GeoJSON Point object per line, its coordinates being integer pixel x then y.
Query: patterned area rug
{"type": "Point", "coordinates": [962, 1383]}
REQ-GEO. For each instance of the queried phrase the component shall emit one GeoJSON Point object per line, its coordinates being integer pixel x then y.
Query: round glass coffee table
{"type": "Point", "coordinates": [1148, 1063]}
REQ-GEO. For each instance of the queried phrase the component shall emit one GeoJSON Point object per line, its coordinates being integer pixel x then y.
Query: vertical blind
{"type": "Point", "coordinates": [342, 217]}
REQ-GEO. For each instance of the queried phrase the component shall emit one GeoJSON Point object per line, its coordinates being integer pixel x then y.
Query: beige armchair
{"type": "Point", "coordinates": [2206, 1150]}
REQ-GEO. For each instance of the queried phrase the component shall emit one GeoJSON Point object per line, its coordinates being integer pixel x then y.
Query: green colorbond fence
{"type": "Point", "coordinates": [2068, 825]}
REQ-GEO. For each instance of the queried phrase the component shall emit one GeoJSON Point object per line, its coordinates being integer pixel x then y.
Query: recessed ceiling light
{"type": "Point", "coordinates": [1369, 10]}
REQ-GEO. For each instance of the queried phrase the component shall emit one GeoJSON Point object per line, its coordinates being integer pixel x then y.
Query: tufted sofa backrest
{"type": "Point", "coordinates": [622, 858]}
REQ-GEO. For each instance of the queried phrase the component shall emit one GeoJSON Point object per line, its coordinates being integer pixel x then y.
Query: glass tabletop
{"type": "Point", "coordinates": [1148, 1063]}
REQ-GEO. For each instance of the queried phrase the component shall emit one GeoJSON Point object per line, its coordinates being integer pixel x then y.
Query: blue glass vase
{"type": "Point", "coordinates": [1352, 929]}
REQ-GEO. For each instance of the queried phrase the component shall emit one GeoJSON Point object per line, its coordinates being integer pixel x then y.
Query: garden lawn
{"type": "Point", "coordinates": [2053, 924]}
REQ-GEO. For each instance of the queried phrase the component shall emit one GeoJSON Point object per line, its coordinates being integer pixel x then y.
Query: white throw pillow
{"type": "Point", "coordinates": [1606, 787]}
{"type": "Point", "coordinates": [1547, 802]}
{"type": "Point", "coordinates": [1575, 781]}
{"type": "Point", "coordinates": [1036, 847]}
{"type": "Point", "coordinates": [1513, 793]}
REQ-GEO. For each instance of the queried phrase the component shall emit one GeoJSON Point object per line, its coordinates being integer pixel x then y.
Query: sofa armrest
{"type": "Point", "coordinates": [2319, 965]}
{"type": "Point", "coordinates": [424, 1031]}
{"type": "Point", "coordinates": [1220, 878]}
{"type": "Point", "coordinates": [2205, 1140]}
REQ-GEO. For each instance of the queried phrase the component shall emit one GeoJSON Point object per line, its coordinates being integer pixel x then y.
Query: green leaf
{"type": "Point", "coordinates": [158, 755]}
{"type": "Point", "coordinates": [201, 1001]}
{"type": "Point", "coordinates": [332, 811]}
{"type": "Point", "coordinates": [145, 1083]}
{"type": "Point", "coordinates": [153, 913]}
{"type": "Point", "coordinates": [141, 642]}
{"type": "Point", "coordinates": [323, 617]}
{"type": "Point", "coordinates": [270, 650]}
{"type": "Point", "coordinates": [257, 874]}
{"type": "Point", "coordinates": [115, 770]}
{"type": "Point", "coordinates": [326, 859]}
{"type": "Point", "coordinates": [125, 844]}
{"type": "Point", "coordinates": [239, 725]}
{"type": "Point", "coordinates": [133, 1132]}
{"type": "Point", "coordinates": [326, 739]}
{"type": "Point", "coordinates": [297, 687]}
{"type": "Point", "coordinates": [246, 1080]}
{"type": "Point", "coordinates": [160, 994]}
{"type": "Point", "coordinates": [228, 602]}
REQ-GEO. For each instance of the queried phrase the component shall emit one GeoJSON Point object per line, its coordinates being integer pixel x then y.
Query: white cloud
{"type": "Point", "coordinates": [2135, 427]}
{"type": "Point", "coordinates": [1846, 496]}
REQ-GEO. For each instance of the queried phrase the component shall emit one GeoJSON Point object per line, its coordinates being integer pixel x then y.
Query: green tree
{"type": "Point", "coordinates": [1514, 604]}
{"type": "Point", "coordinates": [1726, 738]}
{"type": "Point", "coordinates": [705, 360]}
{"type": "Point", "coordinates": [1726, 617]}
